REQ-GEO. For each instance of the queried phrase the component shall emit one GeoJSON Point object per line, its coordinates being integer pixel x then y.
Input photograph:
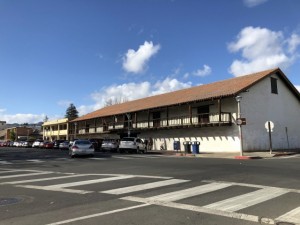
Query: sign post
{"type": "Point", "coordinates": [269, 125]}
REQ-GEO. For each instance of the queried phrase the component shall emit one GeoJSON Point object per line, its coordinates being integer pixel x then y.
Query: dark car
{"type": "Point", "coordinates": [57, 142]}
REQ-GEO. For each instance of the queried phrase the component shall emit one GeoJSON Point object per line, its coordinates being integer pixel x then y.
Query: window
{"type": "Point", "coordinates": [274, 89]}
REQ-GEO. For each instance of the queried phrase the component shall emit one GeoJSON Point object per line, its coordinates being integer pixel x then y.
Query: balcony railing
{"type": "Point", "coordinates": [200, 120]}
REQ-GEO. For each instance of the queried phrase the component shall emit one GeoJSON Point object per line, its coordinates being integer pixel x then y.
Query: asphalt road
{"type": "Point", "coordinates": [47, 187]}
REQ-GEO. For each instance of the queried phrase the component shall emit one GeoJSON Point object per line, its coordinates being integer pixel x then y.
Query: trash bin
{"type": "Point", "coordinates": [176, 145]}
{"type": "Point", "coordinates": [195, 147]}
{"type": "Point", "coordinates": [187, 147]}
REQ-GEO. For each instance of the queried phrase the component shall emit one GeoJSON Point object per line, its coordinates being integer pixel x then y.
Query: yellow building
{"type": "Point", "coordinates": [56, 130]}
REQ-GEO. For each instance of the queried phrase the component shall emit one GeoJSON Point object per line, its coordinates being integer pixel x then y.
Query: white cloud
{"type": "Point", "coordinates": [131, 91]}
{"type": "Point", "coordinates": [262, 49]}
{"type": "Point", "coordinates": [22, 118]}
{"type": "Point", "coordinates": [293, 43]}
{"type": "Point", "coordinates": [168, 85]}
{"type": "Point", "coordinates": [203, 72]}
{"type": "Point", "coordinates": [252, 3]}
{"type": "Point", "coordinates": [136, 61]}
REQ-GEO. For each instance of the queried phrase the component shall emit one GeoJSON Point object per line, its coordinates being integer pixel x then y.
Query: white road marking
{"type": "Point", "coordinates": [43, 179]}
{"type": "Point", "coordinates": [292, 216]}
{"type": "Point", "coordinates": [141, 187]}
{"type": "Point", "coordinates": [35, 161]}
{"type": "Point", "coordinates": [25, 175]}
{"type": "Point", "coordinates": [98, 214]}
{"type": "Point", "coordinates": [5, 162]}
{"type": "Point", "coordinates": [85, 182]}
{"type": "Point", "coordinates": [121, 157]}
{"type": "Point", "coordinates": [62, 187]}
{"type": "Point", "coordinates": [200, 209]}
{"type": "Point", "coordinates": [8, 171]}
{"type": "Point", "coordinates": [251, 185]}
{"type": "Point", "coordinates": [190, 192]}
{"type": "Point", "coordinates": [247, 200]}
{"type": "Point", "coordinates": [46, 188]}
{"type": "Point", "coordinates": [99, 158]}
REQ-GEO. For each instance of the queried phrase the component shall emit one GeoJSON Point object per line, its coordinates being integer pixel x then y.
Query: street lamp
{"type": "Point", "coordinates": [75, 130]}
{"type": "Point", "coordinates": [238, 99]}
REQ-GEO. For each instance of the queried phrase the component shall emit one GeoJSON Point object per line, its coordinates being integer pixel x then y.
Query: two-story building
{"type": "Point", "coordinates": [222, 116]}
{"type": "Point", "coordinates": [55, 130]}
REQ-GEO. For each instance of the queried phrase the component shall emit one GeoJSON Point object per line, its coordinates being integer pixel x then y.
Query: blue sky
{"type": "Point", "coordinates": [85, 52]}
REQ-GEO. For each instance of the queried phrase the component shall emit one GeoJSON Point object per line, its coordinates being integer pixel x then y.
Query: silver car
{"type": "Point", "coordinates": [81, 147]}
{"type": "Point", "coordinates": [110, 145]}
{"type": "Point", "coordinates": [132, 144]}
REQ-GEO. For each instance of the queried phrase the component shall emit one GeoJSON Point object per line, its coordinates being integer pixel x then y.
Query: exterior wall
{"type": "Point", "coordinates": [212, 139]}
{"type": "Point", "coordinates": [259, 105]}
{"type": "Point", "coordinates": [55, 129]}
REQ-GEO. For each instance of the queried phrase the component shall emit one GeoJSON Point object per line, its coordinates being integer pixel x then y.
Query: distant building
{"type": "Point", "coordinates": [55, 130]}
{"type": "Point", "coordinates": [21, 133]}
{"type": "Point", "coordinates": [2, 125]}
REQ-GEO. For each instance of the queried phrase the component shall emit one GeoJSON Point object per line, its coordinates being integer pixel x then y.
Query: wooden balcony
{"type": "Point", "coordinates": [200, 120]}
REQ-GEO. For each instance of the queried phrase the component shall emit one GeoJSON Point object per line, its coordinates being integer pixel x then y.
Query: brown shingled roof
{"type": "Point", "coordinates": [220, 89]}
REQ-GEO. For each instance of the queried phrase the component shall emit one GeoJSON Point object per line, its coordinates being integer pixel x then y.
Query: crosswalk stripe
{"type": "Point", "coordinates": [43, 179]}
{"type": "Point", "coordinates": [200, 209]}
{"type": "Point", "coordinates": [141, 187]}
{"type": "Point", "coordinates": [292, 216]}
{"type": "Point", "coordinates": [99, 158]}
{"type": "Point", "coordinates": [35, 161]}
{"type": "Point", "coordinates": [85, 182]}
{"type": "Point", "coordinates": [24, 175]}
{"type": "Point", "coordinates": [121, 157]}
{"type": "Point", "coordinates": [190, 192]}
{"type": "Point", "coordinates": [247, 200]}
{"type": "Point", "coordinates": [5, 162]}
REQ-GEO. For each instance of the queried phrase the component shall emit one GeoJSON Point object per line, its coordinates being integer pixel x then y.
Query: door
{"type": "Point", "coordinates": [156, 119]}
{"type": "Point", "coordinates": [203, 114]}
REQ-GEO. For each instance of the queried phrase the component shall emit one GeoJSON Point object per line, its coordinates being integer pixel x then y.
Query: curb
{"type": "Point", "coordinates": [247, 157]}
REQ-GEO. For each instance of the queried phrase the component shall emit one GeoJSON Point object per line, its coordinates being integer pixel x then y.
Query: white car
{"type": "Point", "coordinates": [132, 144]}
{"type": "Point", "coordinates": [37, 143]}
{"type": "Point", "coordinates": [81, 147]}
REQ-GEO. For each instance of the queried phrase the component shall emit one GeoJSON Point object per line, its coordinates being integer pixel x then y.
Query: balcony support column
{"type": "Point", "coordinates": [167, 116]}
{"type": "Point", "coordinates": [191, 114]}
{"type": "Point", "coordinates": [220, 110]}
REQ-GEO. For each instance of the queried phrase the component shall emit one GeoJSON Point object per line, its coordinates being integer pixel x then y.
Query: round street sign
{"type": "Point", "coordinates": [271, 126]}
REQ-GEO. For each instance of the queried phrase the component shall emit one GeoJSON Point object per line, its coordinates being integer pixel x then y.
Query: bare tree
{"type": "Point", "coordinates": [114, 101]}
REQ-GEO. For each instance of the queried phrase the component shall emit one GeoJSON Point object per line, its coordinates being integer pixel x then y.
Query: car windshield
{"type": "Point", "coordinates": [83, 142]}
{"type": "Point", "coordinates": [128, 139]}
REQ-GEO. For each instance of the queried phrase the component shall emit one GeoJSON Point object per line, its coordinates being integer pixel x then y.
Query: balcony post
{"type": "Point", "coordinates": [190, 113]}
{"type": "Point", "coordinates": [220, 110]}
{"type": "Point", "coordinates": [167, 116]}
{"type": "Point", "coordinates": [135, 119]}
{"type": "Point", "coordinates": [148, 118]}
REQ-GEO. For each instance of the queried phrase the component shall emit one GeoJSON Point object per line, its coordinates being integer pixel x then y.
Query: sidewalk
{"type": "Point", "coordinates": [230, 155]}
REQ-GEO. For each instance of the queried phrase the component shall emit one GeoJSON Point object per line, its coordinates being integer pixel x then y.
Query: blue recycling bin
{"type": "Point", "coordinates": [195, 147]}
{"type": "Point", "coordinates": [176, 145]}
{"type": "Point", "coordinates": [187, 147]}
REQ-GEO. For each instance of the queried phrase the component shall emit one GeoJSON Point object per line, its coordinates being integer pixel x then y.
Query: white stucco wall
{"type": "Point", "coordinates": [259, 105]}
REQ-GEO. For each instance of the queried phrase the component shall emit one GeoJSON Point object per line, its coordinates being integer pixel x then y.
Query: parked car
{"type": "Point", "coordinates": [64, 145]}
{"type": "Point", "coordinates": [27, 144]}
{"type": "Point", "coordinates": [56, 143]}
{"type": "Point", "coordinates": [132, 144]}
{"type": "Point", "coordinates": [37, 143]}
{"type": "Point", "coordinates": [48, 145]}
{"type": "Point", "coordinates": [81, 147]}
{"type": "Point", "coordinates": [110, 145]}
